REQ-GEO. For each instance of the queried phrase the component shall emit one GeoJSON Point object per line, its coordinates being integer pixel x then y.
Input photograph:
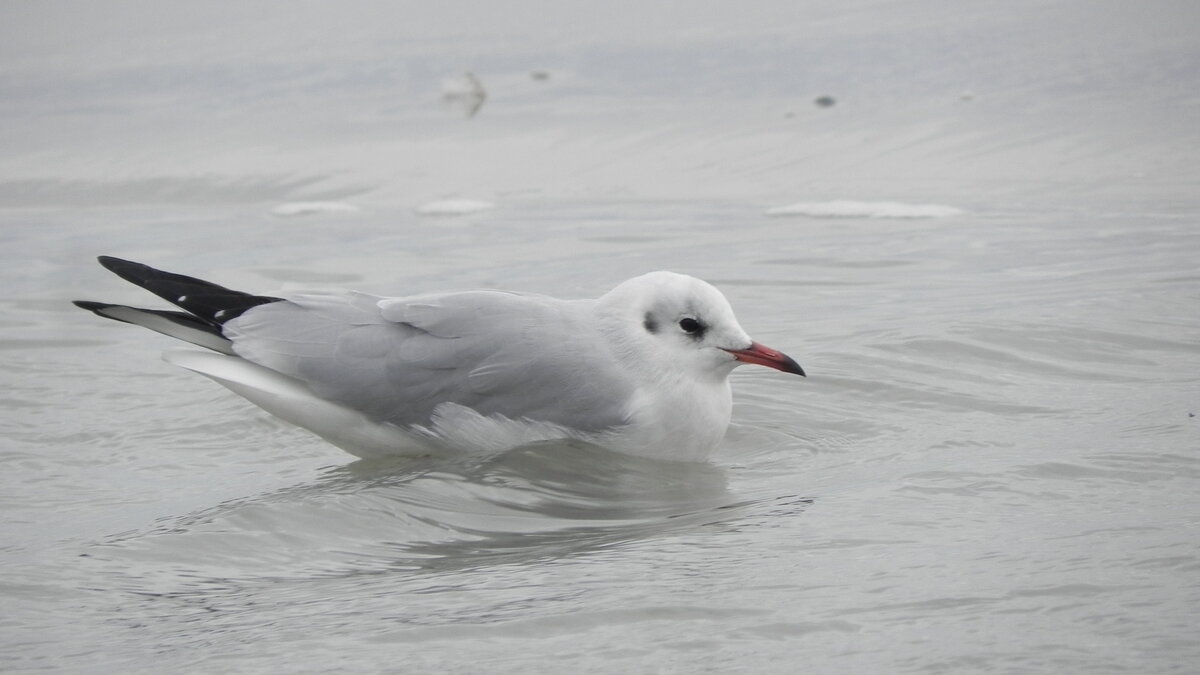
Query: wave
{"type": "Point", "coordinates": [855, 209]}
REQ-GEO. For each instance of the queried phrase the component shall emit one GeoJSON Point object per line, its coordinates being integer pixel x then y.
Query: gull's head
{"type": "Point", "coordinates": [676, 323]}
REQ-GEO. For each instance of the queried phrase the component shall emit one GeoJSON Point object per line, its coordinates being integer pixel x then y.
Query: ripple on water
{"type": "Point", "coordinates": [531, 503]}
{"type": "Point", "coordinates": [472, 529]}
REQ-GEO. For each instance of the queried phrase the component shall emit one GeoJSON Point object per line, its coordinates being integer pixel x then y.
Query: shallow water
{"type": "Point", "coordinates": [994, 464]}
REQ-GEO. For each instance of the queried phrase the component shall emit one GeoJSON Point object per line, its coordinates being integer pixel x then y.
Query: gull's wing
{"type": "Point", "coordinates": [397, 359]}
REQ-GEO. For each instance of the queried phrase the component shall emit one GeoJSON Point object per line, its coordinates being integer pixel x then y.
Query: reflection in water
{"type": "Point", "coordinates": [534, 503]}
{"type": "Point", "coordinates": [434, 542]}
{"type": "Point", "coordinates": [440, 543]}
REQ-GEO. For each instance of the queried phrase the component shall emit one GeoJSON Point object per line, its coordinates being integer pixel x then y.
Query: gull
{"type": "Point", "coordinates": [643, 369]}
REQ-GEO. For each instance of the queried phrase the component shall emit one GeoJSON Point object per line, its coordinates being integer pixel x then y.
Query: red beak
{"type": "Point", "coordinates": [765, 356]}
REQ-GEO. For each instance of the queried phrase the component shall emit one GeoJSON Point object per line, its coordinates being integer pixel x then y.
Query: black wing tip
{"type": "Point", "coordinates": [108, 262]}
{"type": "Point", "coordinates": [101, 309]}
{"type": "Point", "coordinates": [133, 272]}
{"type": "Point", "coordinates": [208, 301]}
{"type": "Point", "coordinates": [91, 305]}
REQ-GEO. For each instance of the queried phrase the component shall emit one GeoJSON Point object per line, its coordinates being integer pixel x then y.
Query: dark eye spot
{"type": "Point", "coordinates": [650, 324]}
{"type": "Point", "coordinates": [691, 326]}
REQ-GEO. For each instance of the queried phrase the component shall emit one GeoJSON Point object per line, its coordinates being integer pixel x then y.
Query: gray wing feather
{"type": "Point", "coordinates": [396, 359]}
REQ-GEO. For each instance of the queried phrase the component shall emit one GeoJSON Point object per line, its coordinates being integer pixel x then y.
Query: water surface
{"type": "Point", "coordinates": [993, 465]}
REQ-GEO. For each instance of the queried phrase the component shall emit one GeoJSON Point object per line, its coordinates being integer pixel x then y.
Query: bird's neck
{"type": "Point", "coordinates": [683, 421]}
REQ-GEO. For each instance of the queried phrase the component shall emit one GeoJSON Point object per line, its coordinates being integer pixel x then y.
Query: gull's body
{"type": "Point", "coordinates": [643, 369]}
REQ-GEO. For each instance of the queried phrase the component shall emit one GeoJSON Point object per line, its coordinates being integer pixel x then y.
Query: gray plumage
{"type": "Point", "coordinates": [485, 350]}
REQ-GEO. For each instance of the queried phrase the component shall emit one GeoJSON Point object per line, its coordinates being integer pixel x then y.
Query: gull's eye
{"type": "Point", "coordinates": [691, 326]}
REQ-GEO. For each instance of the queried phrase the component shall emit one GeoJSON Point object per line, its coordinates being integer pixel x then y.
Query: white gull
{"type": "Point", "coordinates": [643, 369]}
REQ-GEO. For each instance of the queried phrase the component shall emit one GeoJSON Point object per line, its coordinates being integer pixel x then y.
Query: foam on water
{"type": "Point", "coordinates": [291, 209]}
{"type": "Point", "coordinates": [855, 209]}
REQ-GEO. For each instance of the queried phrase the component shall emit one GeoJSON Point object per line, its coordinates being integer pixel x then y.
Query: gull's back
{"type": "Point", "coordinates": [397, 359]}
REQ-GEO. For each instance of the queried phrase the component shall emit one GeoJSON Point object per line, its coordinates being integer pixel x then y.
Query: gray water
{"type": "Point", "coordinates": [994, 465]}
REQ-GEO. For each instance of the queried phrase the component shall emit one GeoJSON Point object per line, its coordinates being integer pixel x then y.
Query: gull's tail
{"type": "Point", "coordinates": [206, 305]}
